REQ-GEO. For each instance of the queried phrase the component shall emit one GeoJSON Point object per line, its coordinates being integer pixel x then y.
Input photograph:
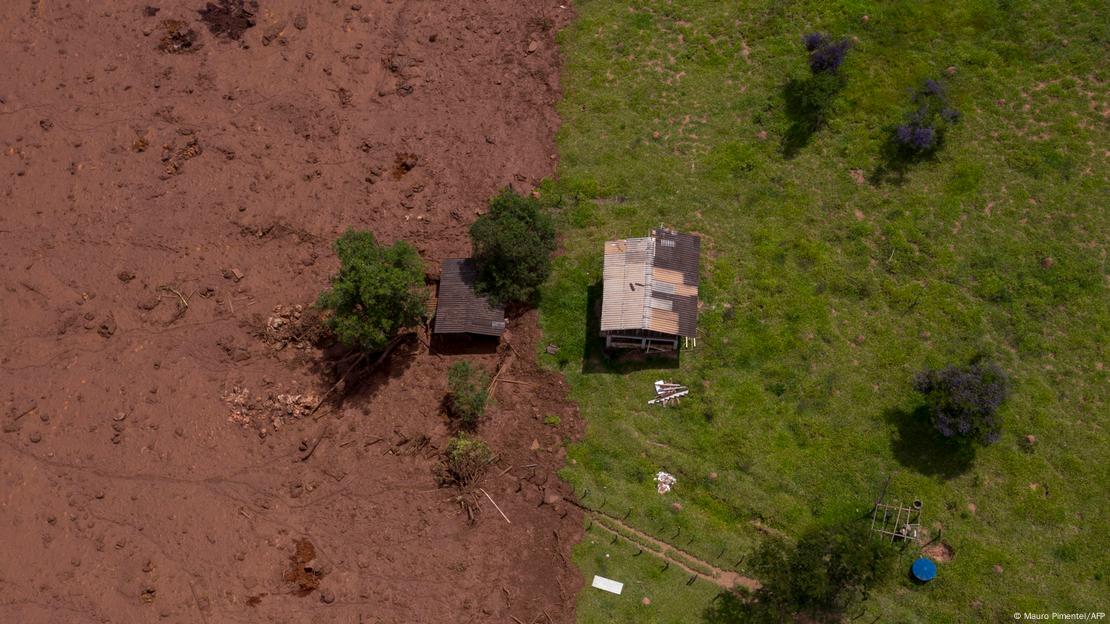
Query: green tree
{"type": "Point", "coordinates": [824, 575]}
{"type": "Point", "coordinates": [512, 245]}
{"type": "Point", "coordinates": [378, 291]}
{"type": "Point", "coordinates": [467, 459]}
{"type": "Point", "coordinates": [466, 393]}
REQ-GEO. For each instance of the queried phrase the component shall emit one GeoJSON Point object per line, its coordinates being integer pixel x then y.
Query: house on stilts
{"type": "Point", "coordinates": [650, 291]}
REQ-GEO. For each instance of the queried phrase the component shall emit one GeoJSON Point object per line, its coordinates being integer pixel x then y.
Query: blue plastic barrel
{"type": "Point", "coordinates": [924, 569]}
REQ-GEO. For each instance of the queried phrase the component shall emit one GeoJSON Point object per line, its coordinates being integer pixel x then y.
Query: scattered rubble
{"type": "Point", "coordinates": [294, 326]}
{"type": "Point", "coordinates": [667, 393]}
{"type": "Point", "coordinates": [271, 411]}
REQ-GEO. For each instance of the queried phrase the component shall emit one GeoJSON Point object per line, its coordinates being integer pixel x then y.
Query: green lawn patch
{"type": "Point", "coordinates": [829, 278]}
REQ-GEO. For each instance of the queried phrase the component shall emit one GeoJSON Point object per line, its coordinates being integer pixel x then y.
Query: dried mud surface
{"type": "Point", "coordinates": [171, 183]}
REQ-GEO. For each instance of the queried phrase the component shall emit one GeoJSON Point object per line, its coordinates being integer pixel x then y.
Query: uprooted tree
{"type": "Point", "coordinates": [512, 246]}
{"type": "Point", "coordinates": [378, 292]}
{"type": "Point", "coordinates": [465, 462]}
{"type": "Point", "coordinates": [963, 401]}
{"type": "Point", "coordinates": [822, 577]}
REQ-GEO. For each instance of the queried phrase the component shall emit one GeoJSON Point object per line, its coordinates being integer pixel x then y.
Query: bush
{"type": "Point", "coordinates": [378, 291]}
{"type": "Point", "coordinates": [466, 393]}
{"type": "Point", "coordinates": [963, 400]}
{"type": "Point", "coordinates": [825, 55]}
{"type": "Point", "coordinates": [924, 129]}
{"type": "Point", "coordinates": [512, 245]}
{"type": "Point", "coordinates": [466, 459]}
{"type": "Point", "coordinates": [821, 577]}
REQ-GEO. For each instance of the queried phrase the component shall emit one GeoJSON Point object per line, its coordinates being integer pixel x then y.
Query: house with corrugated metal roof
{"type": "Point", "coordinates": [459, 308]}
{"type": "Point", "coordinates": [650, 291]}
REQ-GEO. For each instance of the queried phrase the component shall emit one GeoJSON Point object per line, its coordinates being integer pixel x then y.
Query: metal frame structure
{"type": "Point", "coordinates": [898, 522]}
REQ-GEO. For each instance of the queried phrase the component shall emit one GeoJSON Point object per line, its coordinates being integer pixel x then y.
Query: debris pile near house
{"type": "Point", "coordinates": [665, 480]}
{"type": "Point", "coordinates": [668, 393]}
{"type": "Point", "coordinates": [269, 412]}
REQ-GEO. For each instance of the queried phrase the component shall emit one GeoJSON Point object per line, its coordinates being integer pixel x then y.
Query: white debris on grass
{"type": "Point", "coordinates": [665, 480]}
{"type": "Point", "coordinates": [667, 393]}
{"type": "Point", "coordinates": [609, 585]}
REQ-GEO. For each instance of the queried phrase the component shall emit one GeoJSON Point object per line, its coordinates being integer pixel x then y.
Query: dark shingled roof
{"type": "Point", "coordinates": [460, 310]}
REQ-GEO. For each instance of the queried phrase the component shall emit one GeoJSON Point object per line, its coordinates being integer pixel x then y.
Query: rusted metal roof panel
{"type": "Point", "coordinates": [678, 252]}
{"type": "Point", "coordinates": [459, 309]}
{"type": "Point", "coordinates": [625, 283]}
{"type": "Point", "coordinates": [652, 283]}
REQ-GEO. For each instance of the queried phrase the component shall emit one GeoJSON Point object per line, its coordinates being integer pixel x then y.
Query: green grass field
{"type": "Point", "coordinates": [826, 286]}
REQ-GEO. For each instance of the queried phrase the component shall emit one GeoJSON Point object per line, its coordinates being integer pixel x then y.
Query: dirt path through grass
{"type": "Point", "coordinates": [727, 579]}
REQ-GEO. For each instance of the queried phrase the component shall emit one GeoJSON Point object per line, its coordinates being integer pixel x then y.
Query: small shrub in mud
{"type": "Point", "coordinates": [465, 461]}
{"type": "Point", "coordinates": [964, 400]}
{"type": "Point", "coordinates": [512, 245]}
{"type": "Point", "coordinates": [378, 292]}
{"type": "Point", "coordinates": [466, 394]}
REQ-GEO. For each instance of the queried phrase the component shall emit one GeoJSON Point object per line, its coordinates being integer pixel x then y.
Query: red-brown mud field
{"type": "Point", "coordinates": [172, 177]}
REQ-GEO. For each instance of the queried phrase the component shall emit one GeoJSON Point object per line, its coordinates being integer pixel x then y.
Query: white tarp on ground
{"type": "Point", "coordinates": [609, 585]}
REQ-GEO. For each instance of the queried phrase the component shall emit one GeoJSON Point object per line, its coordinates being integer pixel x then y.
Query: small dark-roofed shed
{"type": "Point", "coordinates": [459, 309]}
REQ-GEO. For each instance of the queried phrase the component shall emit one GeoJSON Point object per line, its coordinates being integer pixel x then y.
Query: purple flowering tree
{"type": "Point", "coordinates": [963, 401]}
{"type": "Point", "coordinates": [825, 54]}
{"type": "Point", "coordinates": [923, 131]}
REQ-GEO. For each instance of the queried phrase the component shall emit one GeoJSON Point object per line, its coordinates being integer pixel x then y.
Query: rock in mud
{"type": "Point", "coordinates": [107, 327]}
{"type": "Point", "coordinates": [229, 18]}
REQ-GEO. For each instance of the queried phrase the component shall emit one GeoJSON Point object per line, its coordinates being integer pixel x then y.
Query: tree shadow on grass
{"type": "Point", "coordinates": [808, 101]}
{"type": "Point", "coordinates": [895, 160]}
{"type": "Point", "coordinates": [727, 608]}
{"type": "Point", "coordinates": [597, 359]}
{"type": "Point", "coordinates": [919, 447]}
{"type": "Point", "coordinates": [803, 122]}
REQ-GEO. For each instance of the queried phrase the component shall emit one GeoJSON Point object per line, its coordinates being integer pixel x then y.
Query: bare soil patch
{"type": "Point", "coordinates": [941, 552]}
{"type": "Point", "coordinates": [165, 214]}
